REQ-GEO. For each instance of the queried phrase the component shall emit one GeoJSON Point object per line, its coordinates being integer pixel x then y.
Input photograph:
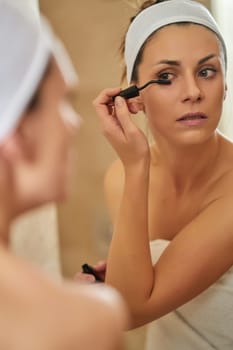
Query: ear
{"type": "Point", "coordinates": [11, 148]}
{"type": "Point", "coordinates": [21, 144]}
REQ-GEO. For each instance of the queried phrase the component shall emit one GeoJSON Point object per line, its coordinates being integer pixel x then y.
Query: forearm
{"type": "Point", "coordinates": [129, 267]}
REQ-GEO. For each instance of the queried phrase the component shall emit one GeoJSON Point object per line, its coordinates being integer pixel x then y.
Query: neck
{"type": "Point", "coordinates": [188, 166]}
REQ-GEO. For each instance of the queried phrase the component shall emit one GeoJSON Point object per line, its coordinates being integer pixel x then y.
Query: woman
{"type": "Point", "coordinates": [171, 203]}
{"type": "Point", "coordinates": [36, 128]}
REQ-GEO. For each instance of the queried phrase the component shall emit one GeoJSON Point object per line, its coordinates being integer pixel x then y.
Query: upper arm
{"type": "Point", "coordinates": [113, 188]}
{"type": "Point", "coordinates": [200, 254]}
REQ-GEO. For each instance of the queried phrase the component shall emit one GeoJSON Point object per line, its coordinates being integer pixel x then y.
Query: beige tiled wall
{"type": "Point", "coordinates": [34, 236]}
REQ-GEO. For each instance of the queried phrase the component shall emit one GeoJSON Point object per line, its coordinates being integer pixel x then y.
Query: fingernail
{"type": "Point", "coordinates": [118, 101]}
{"type": "Point", "coordinates": [90, 278]}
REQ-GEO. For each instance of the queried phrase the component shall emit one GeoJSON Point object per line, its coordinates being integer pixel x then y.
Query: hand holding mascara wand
{"type": "Point", "coordinates": [127, 93]}
{"type": "Point", "coordinates": [86, 268]}
{"type": "Point", "coordinates": [133, 90]}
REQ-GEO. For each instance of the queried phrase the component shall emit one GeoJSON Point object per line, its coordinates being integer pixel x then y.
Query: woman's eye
{"type": "Point", "coordinates": [207, 72]}
{"type": "Point", "coordinates": [165, 76]}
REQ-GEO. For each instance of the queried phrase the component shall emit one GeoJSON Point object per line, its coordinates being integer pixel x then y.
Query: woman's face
{"type": "Point", "coordinates": [52, 124]}
{"type": "Point", "coordinates": [188, 110]}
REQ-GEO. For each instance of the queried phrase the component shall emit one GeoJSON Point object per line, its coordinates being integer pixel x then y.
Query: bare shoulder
{"type": "Point", "coordinates": [225, 178]}
{"type": "Point", "coordinates": [226, 147]}
{"type": "Point", "coordinates": [37, 307]}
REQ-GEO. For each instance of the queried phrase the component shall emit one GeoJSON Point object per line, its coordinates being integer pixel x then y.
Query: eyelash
{"type": "Point", "coordinates": [210, 69]}
{"type": "Point", "coordinates": [161, 75]}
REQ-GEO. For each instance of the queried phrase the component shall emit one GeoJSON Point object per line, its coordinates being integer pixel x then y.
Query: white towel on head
{"type": "Point", "coordinates": [29, 7]}
{"type": "Point", "coordinates": [24, 53]}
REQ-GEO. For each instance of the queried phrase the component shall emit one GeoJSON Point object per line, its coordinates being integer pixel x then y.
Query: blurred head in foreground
{"type": "Point", "coordinates": [36, 117]}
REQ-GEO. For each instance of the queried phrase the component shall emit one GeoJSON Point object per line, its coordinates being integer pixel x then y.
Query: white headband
{"type": "Point", "coordinates": [59, 52]}
{"type": "Point", "coordinates": [159, 15]}
{"type": "Point", "coordinates": [24, 54]}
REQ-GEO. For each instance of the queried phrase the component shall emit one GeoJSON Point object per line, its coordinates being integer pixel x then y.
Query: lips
{"type": "Point", "coordinates": [192, 116]}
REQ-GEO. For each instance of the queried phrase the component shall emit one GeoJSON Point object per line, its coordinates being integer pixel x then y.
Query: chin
{"type": "Point", "coordinates": [57, 189]}
{"type": "Point", "coordinates": [59, 195]}
{"type": "Point", "coordinates": [195, 137]}
{"type": "Point", "coordinates": [52, 196]}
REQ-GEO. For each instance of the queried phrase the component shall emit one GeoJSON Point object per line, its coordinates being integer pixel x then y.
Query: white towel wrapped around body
{"type": "Point", "coordinates": [204, 323]}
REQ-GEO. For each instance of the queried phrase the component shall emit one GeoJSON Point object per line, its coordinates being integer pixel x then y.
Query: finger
{"type": "Point", "coordinates": [135, 107]}
{"type": "Point", "coordinates": [106, 112]}
{"type": "Point", "coordinates": [84, 278]}
{"type": "Point", "coordinates": [100, 266]}
{"type": "Point", "coordinates": [123, 114]}
{"type": "Point", "coordinates": [104, 100]}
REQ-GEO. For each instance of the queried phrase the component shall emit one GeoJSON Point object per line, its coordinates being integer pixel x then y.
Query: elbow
{"type": "Point", "coordinates": [139, 315]}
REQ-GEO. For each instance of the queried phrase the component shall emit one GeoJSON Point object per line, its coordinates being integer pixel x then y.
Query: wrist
{"type": "Point", "coordinates": [139, 168]}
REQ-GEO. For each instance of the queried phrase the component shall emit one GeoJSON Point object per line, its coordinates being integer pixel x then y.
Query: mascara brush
{"type": "Point", "coordinates": [133, 90]}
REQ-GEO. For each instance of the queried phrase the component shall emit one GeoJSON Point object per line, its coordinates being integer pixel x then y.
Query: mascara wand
{"type": "Point", "coordinates": [133, 90]}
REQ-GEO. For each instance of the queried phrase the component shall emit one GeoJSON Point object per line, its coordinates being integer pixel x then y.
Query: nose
{"type": "Point", "coordinates": [192, 92]}
{"type": "Point", "coordinates": [70, 117]}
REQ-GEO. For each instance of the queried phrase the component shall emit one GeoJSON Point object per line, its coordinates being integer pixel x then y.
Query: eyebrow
{"type": "Point", "coordinates": [203, 60]}
{"type": "Point", "coordinates": [178, 63]}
